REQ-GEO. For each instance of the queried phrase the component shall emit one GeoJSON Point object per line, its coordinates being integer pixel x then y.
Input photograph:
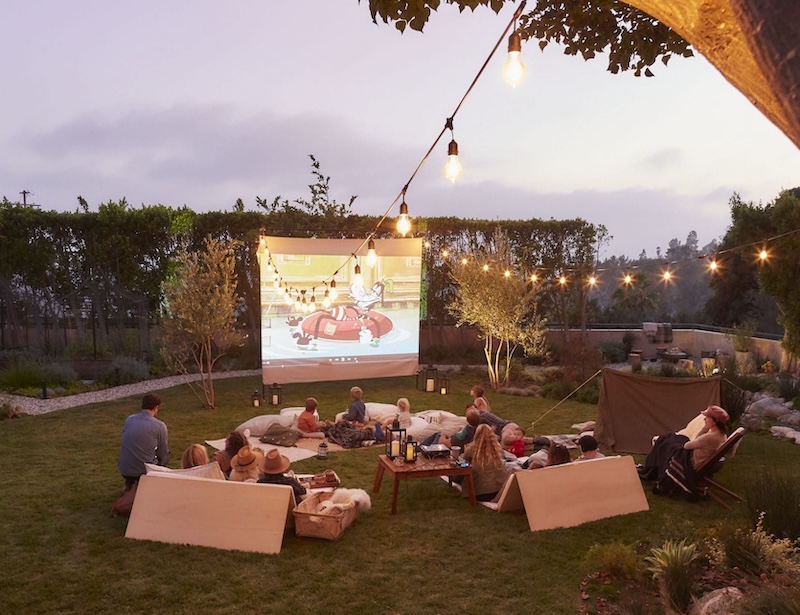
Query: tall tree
{"type": "Point", "coordinates": [502, 307]}
{"type": "Point", "coordinates": [201, 302]}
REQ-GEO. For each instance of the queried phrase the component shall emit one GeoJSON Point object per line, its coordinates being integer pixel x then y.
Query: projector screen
{"type": "Point", "coordinates": [371, 329]}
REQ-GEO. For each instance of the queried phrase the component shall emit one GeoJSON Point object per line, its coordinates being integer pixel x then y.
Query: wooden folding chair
{"type": "Point", "coordinates": [704, 483]}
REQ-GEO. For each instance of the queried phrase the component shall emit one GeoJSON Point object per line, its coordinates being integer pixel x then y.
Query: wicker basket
{"type": "Point", "coordinates": [329, 526]}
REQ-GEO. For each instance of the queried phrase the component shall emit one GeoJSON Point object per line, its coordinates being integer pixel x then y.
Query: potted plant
{"type": "Point", "coordinates": [741, 336]}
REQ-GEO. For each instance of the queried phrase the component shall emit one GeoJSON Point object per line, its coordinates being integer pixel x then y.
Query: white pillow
{"type": "Point", "coordinates": [258, 425]}
{"type": "Point", "coordinates": [209, 470]}
{"type": "Point", "coordinates": [380, 412]}
{"type": "Point", "coordinates": [296, 411]}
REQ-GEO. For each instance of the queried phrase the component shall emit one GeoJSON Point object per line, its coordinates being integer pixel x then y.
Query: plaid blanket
{"type": "Point", "coordinates": [347, 436]}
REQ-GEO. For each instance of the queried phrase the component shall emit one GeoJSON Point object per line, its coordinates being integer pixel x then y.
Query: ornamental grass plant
{"type": "Point", "coordinates": [62, 553]}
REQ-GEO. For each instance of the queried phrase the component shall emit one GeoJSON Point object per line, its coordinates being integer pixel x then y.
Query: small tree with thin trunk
{"type": "Point", "coordinates": [199, 326]}
{"type": "Point", "coordinates": [501, 305]}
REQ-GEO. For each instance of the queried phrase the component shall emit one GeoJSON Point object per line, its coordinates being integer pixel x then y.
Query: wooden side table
{"type": "Point", "coordinates": [422, 468]}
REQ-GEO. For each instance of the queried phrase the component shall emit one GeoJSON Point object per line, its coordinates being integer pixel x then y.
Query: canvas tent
{"type": "Point", "coordinates": [633, 408]}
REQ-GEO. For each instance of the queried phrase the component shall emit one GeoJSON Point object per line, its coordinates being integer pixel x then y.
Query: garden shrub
{"type": "Point", "coordinates": [59, 373]}
{"type": "Point", "coordinates": [20, 375]}
{"type": "Point", "coordinates": [671, 567]}
{"type": "Point", "coordinates": [613, 352]}
{"type": "Point", "coordinates": [126, 370]}
{"type": "Point", "coordinates": [788, 386]}
{"type": "Point", "coordinates": [589, 394]}
{"type": "Point", "coordinates": [772, 600]}
{"type": "Point", "coordinates": [615, 558]}
{"type": "Point", "coordinates": [753, 552]}
{"type": "Point", "coordinates": [773, 499]}
{"type": "Point", "coordinates": [627, 341]}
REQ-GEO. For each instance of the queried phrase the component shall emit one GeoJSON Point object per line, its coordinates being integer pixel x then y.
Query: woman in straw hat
{"type": "Point", "coordinates": [244, 465]}
{"type": "Point", "coordinates": [272, 468]}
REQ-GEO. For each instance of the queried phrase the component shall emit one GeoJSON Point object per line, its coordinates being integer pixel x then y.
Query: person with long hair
{"type": "Point", "coordinates": [194, 456]}
{"type": "Point", "coordinates": [558, 454]}
{"type": "Point", "coordinates": [234, 442]}
{"type": "Point", "coordinates": [489, 471]}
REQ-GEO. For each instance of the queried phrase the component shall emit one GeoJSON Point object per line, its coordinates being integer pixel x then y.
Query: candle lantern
{"type": "Point", "coordinates": [256, 399]}
{"type": "Point", "coordinates": [395, 438]}
{"type": "Point", "coordinates": [428, 379]}
{"type": "Point", "coordinates": [444, 385]}
{"type": "Point", "coordinates": [275, 394]}
{"type": "Point", "coordinates": [410, 450]}
{"type": "Point", "coordinates": [322, 450]}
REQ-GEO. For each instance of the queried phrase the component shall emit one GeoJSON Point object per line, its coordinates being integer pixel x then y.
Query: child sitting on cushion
{"type": "Point", "coordinates": [357, 412]}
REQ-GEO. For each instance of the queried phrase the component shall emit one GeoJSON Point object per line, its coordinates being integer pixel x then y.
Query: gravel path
{"type": "Point", "coordinates": [31, 405]}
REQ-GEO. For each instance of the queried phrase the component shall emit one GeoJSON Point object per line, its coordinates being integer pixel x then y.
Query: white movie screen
{"type": "Point", "coordinates": [369, 325]}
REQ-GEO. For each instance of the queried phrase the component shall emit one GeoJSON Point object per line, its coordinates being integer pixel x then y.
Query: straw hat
{"type": "Point", "coordinates": [245, 459]}
{"type": "Point", "coordinates": [274, 463]}
{"type": "Point", "coordinates": [716, 413]}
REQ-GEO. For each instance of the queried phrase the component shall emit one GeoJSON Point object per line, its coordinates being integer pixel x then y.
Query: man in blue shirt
{"type": "Point", "coordinates": [144, 440]}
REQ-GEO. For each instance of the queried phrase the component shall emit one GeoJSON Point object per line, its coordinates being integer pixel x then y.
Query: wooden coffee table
{"type": "Point", "coordinates": [421, 468]}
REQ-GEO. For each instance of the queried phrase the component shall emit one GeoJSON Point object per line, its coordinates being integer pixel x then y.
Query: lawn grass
{"type": "Point", "coordinates": [62, 553]}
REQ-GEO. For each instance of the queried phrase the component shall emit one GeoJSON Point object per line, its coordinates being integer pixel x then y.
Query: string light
{"type": "Point", "coordinates": [486, 267]}
{"type": "Point", "coordinates": [445, 253]}
{"type": "Point", "coordinates": [452, 168]}
{"type": "Point", "coordinates": [713, 266]}
{"type": "Point", "coordinates": [592, 280]}
{"type": "Point", "coordinates": [464, 261]}
{"type": "Point", "coordinates": [763, 255]}
{"type": "Point", "coordinates": [358, 280]}
{"type": "Point", "coordinates": [326, 300]}
{"type": "Point", "coordinates": [372, 258]}
{"type": "Point", "coordinates": [628, 279]}
{"type": "Point", "coordinates": [507, 273]}
{"type": "Point", "coordinates": [403, 223]}
{"type": "Point", "coordinates": [534, 278]}
{"type": "Point", "coordinates": [333, 292]}
{"type": "Point", "coordinates": [562, 280]}
{"type": "Point", "coordinates": [666, 275]}
{"type": "Point", "coordinates": [514, 69]}
{"type": "Point", "coordinates": [312, 307]}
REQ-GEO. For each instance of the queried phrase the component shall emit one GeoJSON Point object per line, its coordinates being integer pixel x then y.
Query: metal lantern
{"type": "Point", "coordinates": [444, 385]}
{"type": "Point", "coordinates": [394, 441]}
{"type": "Point", "coordinates": [410, 450]}
{"type": "Point", "coordinates": [427, 379]}
{"type": "Point", "coordinates": [275, 394]}
{"type": "Point", "coordinates": [256, 399]}
{"type": "Point", "coordinates": [322, 450]}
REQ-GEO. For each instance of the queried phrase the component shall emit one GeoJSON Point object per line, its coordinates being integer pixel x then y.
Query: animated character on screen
{"type": "Point", "coordinates": [357, 322]}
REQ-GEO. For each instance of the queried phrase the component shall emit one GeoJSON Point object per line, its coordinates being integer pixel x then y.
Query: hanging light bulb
{"type": "Point", "coordinates": [288, 299]}
{"type": "Point", "coordinates": [334, 293]}
{"type": "Point", "coordinates": [276, 283]}
{"type": "Point", "coordinates": [763, 255]}
{"type": "Point", "coordinates": [372, 258]}
{"type": "Point", "coordinates": [298, 305]}
{"type": "Point", "coordinates": [464, 260]}
{"type": "Point", "coordinates": [453, 167]}
{"type": "Point", "coordinates": [534, 278]}
{"type": "Point", "coordinates": [667, 275]}
{"type": "Point", "coordinates": [312, 307]}
{"type": "Point", "coordinates": [326, 300]}
{"type": "Point", "coordinates": [403, 223]}
{"type": "Point", "coordinates": [486, 267]}
{"type": "Point", "coordinates": [270, 268]}
{"type": "Point", "coordinates": [713, 266]}
{"type": "Point", "coordinates": [445, 253]}
{"type": "Point", "coordinates": [562, 280]}
{"type": "Point", "coordinates": [514, 69]}
{"type": "Point", "coordinates": [358, 279]}
{"type": "Point", "coordinates": [507, 273]}
{"type": "Point", "coordinates": [628, 279]}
